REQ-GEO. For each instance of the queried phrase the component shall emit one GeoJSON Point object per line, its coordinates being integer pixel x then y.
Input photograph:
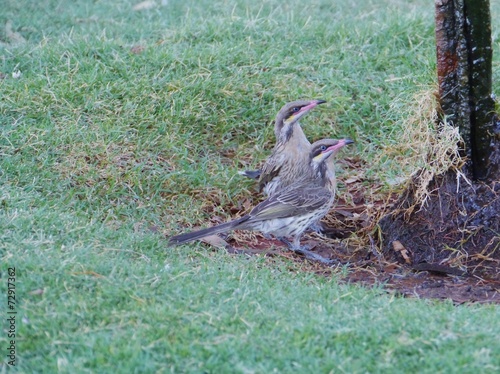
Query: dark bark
{"type": "Point", "coordinates": [453, 73]}
{"type": "Point", "coordinates": [458, 217]}
{"type": "Point", "coordinates": [464, 63]}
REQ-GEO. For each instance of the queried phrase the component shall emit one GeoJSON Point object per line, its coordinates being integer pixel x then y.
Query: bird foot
{"type": "Point", "coordinates": [305, 251]}
{"type": "Point", "coordinates": [314, 256]}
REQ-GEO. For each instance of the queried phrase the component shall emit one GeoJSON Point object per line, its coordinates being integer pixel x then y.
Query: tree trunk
{"type": "Point", "coordinates": [464, 66]}
{"type": "Point", "coordinates": [460, 222]}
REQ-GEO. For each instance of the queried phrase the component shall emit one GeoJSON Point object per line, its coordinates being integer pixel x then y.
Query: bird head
{"type": "Point", "coordinates": [325, 148]}
{"type": "Point", "coordinates": [295, 110]}
{"type": "Point", "coordinates": [292, 112]}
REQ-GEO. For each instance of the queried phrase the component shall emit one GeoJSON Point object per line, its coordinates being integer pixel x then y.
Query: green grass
{"type": "Point", "coordinates": [104, 151]}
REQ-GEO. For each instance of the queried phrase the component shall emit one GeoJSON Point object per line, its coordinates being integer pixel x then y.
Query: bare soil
{"type": "Point", "coordinates": [450, 250]}
{"type": "Point", "coordinates": [369, 269]}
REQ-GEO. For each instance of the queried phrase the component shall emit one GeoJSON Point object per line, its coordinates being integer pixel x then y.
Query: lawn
{"type": "Point", "coordinates": [121, 126]}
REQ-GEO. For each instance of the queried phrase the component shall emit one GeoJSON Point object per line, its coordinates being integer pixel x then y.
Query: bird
{"type": "Point", "coordinates": [291, 152]}
{"type": "Point", "coordinates": [289, 212]}
{"type": "Point", "coordinates": [280, 169]}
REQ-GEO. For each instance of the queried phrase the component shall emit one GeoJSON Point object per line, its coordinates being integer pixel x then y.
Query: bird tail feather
{"type": "Point", "coordinates": [252, 174]}
{"type": "Point", "coordinates": [200, 234]}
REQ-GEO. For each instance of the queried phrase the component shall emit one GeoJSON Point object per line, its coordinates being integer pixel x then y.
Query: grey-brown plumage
{"type": "Point", "coordinates": [289, 212]}
{"type": "Point", "coordinates": [317, 226]}
{"type": "Point", "coordinates": [291, 152]}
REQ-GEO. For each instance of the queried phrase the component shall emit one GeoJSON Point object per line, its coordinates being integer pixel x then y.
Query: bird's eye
{"type": "Point", "coordinates": [295, 109]}
{"type": "Point", "coordinates": [323, 148]}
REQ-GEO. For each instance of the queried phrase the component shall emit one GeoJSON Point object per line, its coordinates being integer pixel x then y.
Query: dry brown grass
{"type": "Point", "coordinates": [424, 148]}
{"type": "Point", "coordinates": [427, 147]}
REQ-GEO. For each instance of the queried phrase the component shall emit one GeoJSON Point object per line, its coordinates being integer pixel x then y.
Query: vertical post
{"type": "Point", "coordinates": [452, 67]}
{"type": "Point", "coordinates": [464, 65]}
{"type": "Point", "coordinates": [478, 34]}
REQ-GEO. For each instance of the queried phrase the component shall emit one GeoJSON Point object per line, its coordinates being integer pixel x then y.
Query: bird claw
{"type": "Point", "coordinates": [314, 256]}
{"type": "Point", "coordinates": [305, 251]}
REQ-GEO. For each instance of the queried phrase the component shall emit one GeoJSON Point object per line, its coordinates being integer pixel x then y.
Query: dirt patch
{"type": "Point", "coordinates": [449, 250]}
{"type": "Point", "coordinates": [459, 228]}
{"type": "Point", "coordinates": [416, 258]}
{"type": "Point", "coordinates": [368, 268]}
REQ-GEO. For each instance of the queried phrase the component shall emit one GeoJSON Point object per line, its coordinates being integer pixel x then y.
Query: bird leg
{"type": "Point", "coordinates": [316, 227]}
{"type": "Point", "coordinates": [286, 242]}
{"type": "Point", "coordinates": [325, 231]}
{"type": "Point", "coordinates": [314, 256]}
{"type": "Point", "coordinates": [303, 250]}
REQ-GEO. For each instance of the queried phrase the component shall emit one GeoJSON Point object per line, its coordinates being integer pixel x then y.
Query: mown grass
{"type": "Point", "coordinates": [106, 148]}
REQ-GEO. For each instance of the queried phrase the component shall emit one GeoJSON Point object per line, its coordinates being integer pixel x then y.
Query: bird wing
{"type": "Point", "coordinates": [271, 167]}
{"type": "Point", "coordinates": [269, 171]}
{"type": "Point", "coordinates": [292, 202]}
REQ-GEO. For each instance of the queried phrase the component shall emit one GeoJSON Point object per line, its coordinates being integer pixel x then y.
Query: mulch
{"type": "Point", "coordinates": [356, 244]}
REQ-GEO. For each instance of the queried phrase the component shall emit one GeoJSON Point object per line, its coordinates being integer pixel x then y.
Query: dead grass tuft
{"type": "Point", "coordinates": [427, 146]}
{"type": "Point", "coordinates": [422, 148]}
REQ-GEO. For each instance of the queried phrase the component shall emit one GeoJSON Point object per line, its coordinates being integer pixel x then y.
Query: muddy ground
{"type": "Point", "coordinates": [450, 250]}
{"type": "Point", "coordinates": [368, 269]}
